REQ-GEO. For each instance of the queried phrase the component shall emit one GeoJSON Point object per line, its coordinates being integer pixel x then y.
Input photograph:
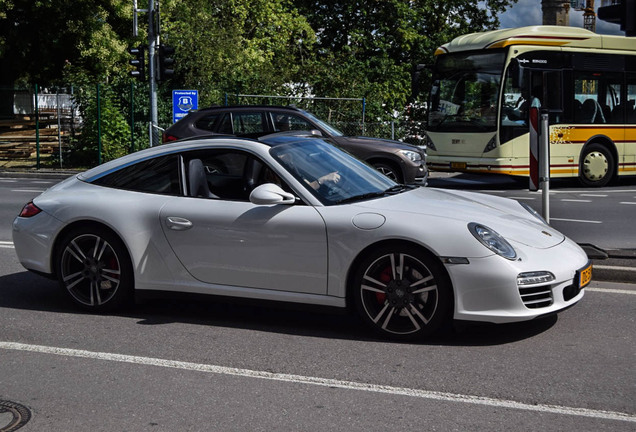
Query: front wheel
{"type": "Point", "coordinates": [597, 165]}
{"type": "Point", "coordinates": [389, 170]}
{"type": "Point", "coordinates": [402, 293]}
{"type": "Point", "coordinates": [94, 269]}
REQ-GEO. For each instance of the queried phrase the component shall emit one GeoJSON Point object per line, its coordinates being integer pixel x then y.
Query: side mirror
{"type": "Point", "coordinates": [269, 193]}
{"type": "Point", "coordinates": [516, 72]}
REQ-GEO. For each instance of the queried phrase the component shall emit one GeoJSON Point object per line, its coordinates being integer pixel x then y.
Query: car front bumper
{"type": "Point", "coordinates": [498, 298]}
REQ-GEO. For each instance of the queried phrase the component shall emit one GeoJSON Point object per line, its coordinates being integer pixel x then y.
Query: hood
{"type": "Point", "coordinates": [368, 141]}
{"type": "Point", "coordinates": [504, 215]}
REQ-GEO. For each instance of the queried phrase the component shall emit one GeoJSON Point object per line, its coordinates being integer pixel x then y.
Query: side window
{"type": "Point", "coordinates": [226, 174]}
{"type": "Point", "coordinates": [630, 103]}
{"type": "Point", "coordinates": [248, 123]}
{"type": "Point", "coordinates": [597, 98]}
{"type": "Point", "coordinates": [587, 109]}
{"type": "Point", "coordinates": [159, 175]}
{"type": "Point", "coordinates": [207, 122]}
{"type": "Point", "coordinates": [225, 126]}
{"type": "Point", "coordinates": [286, 122]}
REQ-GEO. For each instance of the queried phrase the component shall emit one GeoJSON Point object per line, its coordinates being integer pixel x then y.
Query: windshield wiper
{"type": "Point", "coordinates": [393, 190]}
{"type": "Point", "coordinates": [361, 197]}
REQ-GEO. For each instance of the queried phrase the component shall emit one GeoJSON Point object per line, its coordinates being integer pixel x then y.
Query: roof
{"type": "Point", "coordinates": [558, 36]}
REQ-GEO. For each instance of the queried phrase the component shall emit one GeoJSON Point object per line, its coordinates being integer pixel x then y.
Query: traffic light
{"type": "Point", "coordinates": [138, 62]}
{"type": "Point", "coordinates": [165, 62]}
{"type": "Point", "coordinates": [623, 13]}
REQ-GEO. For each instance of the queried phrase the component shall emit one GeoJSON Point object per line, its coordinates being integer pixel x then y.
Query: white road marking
{"type": "Point", "coordinates": [604, 267]}
{"type": "Point", "coordinates": [576, 200]}
{"type": "Point", "coordinates": [610, 290]}
{"type": "Point", "coordinates": [594, 195]}
{"type": "Point", "coordinates": [625, 202]}
{"type": "Point", "coordinates": [7, 245]}
{"type": "Point", "coordinates": [575, 220]}
{"type": "Point", "coordinates": [324, 382]}
{"type": "Point", "coordinates": [28, 190]}
{"type": "Point", "coordinates": [522, 198]}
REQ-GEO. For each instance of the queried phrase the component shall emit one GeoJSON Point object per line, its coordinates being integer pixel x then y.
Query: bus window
{"type": "Point", "coordinates": [597, 98]}
{"type": "Point", "coordinates": [630, 105]}
{"type": "Point", "coordinates": [465, 93]}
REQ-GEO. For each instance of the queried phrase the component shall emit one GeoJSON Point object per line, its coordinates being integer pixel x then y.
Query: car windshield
{"type": "Point", "coordinates": [331, 175]}
{"type": "Point", "coordinates": [324, 125]}
{"type": "Point", "coordinates": [465, 92]}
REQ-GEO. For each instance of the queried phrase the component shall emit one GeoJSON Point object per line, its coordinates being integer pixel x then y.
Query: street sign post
{"type": "Point", "coordinates": [183, 101]}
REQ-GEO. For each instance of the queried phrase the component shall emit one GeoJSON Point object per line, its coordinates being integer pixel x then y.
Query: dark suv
{"type": "Point", "coordinates": [402, 162]}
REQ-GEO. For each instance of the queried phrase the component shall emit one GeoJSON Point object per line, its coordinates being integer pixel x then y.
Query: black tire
{"type": "Point", "coordinates": [402, 292]}
{"type": "Point", "coordinates": [390, 171]}
{"type": "Point", "coordinates": [597, 167]}
{"type": "Point", "coordinates": [94, 269]}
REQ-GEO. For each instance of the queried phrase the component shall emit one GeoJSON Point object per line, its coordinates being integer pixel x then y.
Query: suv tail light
{"type": "Point", "coordinates": [29, 210]}
{"type": "Point", "coordinates": [167, 138]}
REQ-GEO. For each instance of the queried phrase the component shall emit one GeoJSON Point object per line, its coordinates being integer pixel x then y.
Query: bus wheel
{"type": "Point", "coordinates": [597, 165]}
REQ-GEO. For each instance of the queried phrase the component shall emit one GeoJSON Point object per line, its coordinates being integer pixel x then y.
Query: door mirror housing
{"type": "Point", "coordinates": [269, 193]}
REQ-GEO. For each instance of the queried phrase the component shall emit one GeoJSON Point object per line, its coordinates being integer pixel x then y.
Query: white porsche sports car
{"type": "Point", "coordinates": [294, 219]}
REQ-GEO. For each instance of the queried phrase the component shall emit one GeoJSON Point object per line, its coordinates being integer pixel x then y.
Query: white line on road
{"type": "Point", "coordinates": [7, 244]}
{"type": "Point", "coordinates": [575, 200]}
{"type": "Point", "coordinates": [632, 203]}
{"type": "Point", "coordinates": [594, 195]}
{"type": "Point", "coordinates": [610, 290]}
{"type": "Point", "coordinates": [28, 190]}
{"type": "Point", "coordinates": [575, 220]}
{"type": "Point", "coordinates": [324, 382]}
{"type": "Point", "coordinates": [604, 267]}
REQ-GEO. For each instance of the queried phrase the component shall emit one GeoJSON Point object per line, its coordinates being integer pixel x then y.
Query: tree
{"type": "Point", "coordinates": [254, 46]}
{"type": "Point", "coordinates": [370, 47]}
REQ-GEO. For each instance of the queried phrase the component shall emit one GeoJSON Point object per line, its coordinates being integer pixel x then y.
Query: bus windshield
{"type": "Point", "coordinates": [465, 92]}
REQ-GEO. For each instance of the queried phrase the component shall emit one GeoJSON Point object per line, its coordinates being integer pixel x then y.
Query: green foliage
{"type": "Point", "coordinates": [327, 48]}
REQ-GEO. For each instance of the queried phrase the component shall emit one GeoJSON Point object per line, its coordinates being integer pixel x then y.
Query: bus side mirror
{"type": "Point", "coordinates": [516, 73]}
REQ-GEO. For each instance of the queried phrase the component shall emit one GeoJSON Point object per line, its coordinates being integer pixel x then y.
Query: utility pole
{"type": "Point", "coordinates": [152, 45]}
{"type": "Point", "coordinates": [138, 61]}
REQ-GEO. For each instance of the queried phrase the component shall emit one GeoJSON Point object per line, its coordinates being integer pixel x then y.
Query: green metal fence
{"type": "Point", "coordinates": [80, 126]}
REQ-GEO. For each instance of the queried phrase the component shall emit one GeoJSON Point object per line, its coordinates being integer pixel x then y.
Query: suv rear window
{"type": "Point", "coordinates": [207, 122]}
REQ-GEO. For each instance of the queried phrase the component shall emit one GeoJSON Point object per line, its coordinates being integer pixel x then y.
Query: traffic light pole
{"type": "Point", "coordinates": [152, 44]}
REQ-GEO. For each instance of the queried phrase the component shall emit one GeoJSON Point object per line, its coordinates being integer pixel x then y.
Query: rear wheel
{"type": "Point", "coordinates": [597, 165]}
{"type": "Point", "coordinates": [402, 293]}
{"type": "Point", "coordinates": [94, 269]}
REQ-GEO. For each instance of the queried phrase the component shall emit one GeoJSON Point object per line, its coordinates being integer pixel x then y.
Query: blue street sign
{"type": "Point", "coordinates": [183, 101]}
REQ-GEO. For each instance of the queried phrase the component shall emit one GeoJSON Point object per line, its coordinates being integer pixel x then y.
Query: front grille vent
{"type": "Point", "coordinates": [536, 297]}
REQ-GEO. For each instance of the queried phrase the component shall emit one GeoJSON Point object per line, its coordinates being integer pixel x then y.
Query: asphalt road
{"type": "Point", "coordinates": [202, 365]}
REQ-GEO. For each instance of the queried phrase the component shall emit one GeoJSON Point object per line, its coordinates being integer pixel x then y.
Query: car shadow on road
{"type": "Point", "coordinates": [505, 182]}
{"type": "Point", "coordinates": [27, 291]}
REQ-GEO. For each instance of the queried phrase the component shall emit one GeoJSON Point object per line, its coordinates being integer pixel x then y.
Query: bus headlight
{"type": "Point", "coordinates": [492, 144]}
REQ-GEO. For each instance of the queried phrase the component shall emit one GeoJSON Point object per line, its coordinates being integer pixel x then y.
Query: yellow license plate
{"type": "Point", "coordinates": [458, 165]}
{"type": "Point", "coordinates": [585, 276]}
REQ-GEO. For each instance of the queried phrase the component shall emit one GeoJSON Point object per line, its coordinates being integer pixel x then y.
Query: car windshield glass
{"type": "Point", "coordinates": [332, 131]}
{"type": "Point", "coordinates": [465, 92]}
{"type": "Point", "coordinates": [330, 174]}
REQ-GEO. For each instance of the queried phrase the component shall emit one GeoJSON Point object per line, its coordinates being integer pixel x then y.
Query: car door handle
{"type": "Point", "coordinates": [178, 223]}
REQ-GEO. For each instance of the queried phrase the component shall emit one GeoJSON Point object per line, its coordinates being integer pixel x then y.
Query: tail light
{"type": "Point", "coordinates": [167, 138]}
{"type": "Point", "coordinates": [29, 210]}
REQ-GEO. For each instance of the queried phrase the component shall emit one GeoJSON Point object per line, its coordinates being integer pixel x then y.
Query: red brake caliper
{"type": "Point", "coordinates": [385, 277]}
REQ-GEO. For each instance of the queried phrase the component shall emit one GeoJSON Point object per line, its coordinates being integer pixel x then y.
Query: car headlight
{"type": "Point", "coordinates": [493, 241]}
{"type": "Point", "coordinates": [533, 212]}
{"type": "Point", "coordinates": [413, 156]}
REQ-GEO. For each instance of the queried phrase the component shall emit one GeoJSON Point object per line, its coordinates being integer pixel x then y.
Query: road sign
{"type": "Point", "coordinates": [183, 101]}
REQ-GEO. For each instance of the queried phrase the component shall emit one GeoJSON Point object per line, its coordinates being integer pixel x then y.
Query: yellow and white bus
{"type": "Point", "coordinates": [484, 83]}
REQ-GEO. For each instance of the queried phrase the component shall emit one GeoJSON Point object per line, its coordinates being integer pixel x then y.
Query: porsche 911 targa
{"type": "Point", "coordinates": [296, 220]}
